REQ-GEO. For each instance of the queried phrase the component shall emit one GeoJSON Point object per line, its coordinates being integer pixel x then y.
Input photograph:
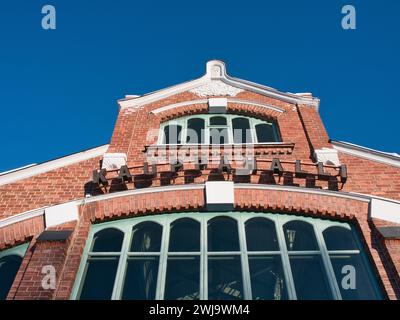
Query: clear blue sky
{"type": "Point", "coordinates": [58, 89]}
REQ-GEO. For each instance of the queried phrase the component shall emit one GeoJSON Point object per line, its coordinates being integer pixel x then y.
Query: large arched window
{"type": "Point", "coordinates": [226, 256]}
{"type": "Point", "coordinates": [217, 129]}
{"type": "Point", "coordinates": [10, 261]}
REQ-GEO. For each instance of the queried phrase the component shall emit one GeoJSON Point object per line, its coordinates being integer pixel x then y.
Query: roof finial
{"type": "Point", "coordinates": [215, 69]}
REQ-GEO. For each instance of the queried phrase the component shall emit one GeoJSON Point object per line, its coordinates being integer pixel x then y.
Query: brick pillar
{"type": "Point", "coordinates": [46, 255]}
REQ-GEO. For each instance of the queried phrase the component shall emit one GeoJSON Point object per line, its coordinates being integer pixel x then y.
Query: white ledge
{"type": "Point", "coordinates": [34, 170]}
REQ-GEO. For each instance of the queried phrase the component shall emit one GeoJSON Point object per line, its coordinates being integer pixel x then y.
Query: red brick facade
{"type": "Point", "coordinates": [300, 128]}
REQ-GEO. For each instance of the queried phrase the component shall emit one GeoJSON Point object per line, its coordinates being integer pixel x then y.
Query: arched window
{"type": "Point", "coordinates": [229, 256]}
{"type": "Point", "coordinates": [218, 129]}
{"type": "Point", "coordinates": [102, 263]}
{"type": "Point", "coordinates": [10, 261]}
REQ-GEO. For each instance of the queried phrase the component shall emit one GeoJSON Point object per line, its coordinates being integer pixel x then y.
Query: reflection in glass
{"type": "Point", "coordinates": [99, 278]}
{"type": "Point", "coordinates": [225, 278]}
{"type": "Point", "coordinates": [261, 235]}
{"type": "Point", "coordinates": [241, 130]}
{"type": "Point", "coordinates": [9, 266]}
{"type": "Point", "coordinates": [172, 134]}
{"type": "Point", "coordinates": [223, 234]}
{"type": "Point", "coordinates": [195, 130]}
{"type": "Point", "coordinates": [108, 240]}
{"type": "Point", "coordinates": [352, 278]}
{"type": "Point", "coordinates": [146, 237]}
{"type": "Point", "coordinates": [183, 278]}
{"type": "Point", "coordinates": [141, 278]}
{"type": "Point", "coordinates": [339, 238]}
{"type": "Point", "coordinates": [218, 136]}
{"type": "Point", "coordinates": [184, 236]}
{"type": "Point", "coordinates": [309, 277]}
{"type": "Point", "coordinates": [300, 236]}
{"type": "Point", "coordinates": [267, 278]}
{"type": "Point", "coordinates": [265, 133]}
{"type": "Point", "coordinates": [217, 121]}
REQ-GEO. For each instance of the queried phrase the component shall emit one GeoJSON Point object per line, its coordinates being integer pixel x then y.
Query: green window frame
{"type": "Point", "coordinates": [281, 255]}
{"type": "Point", "coordinates": [209, 128]}
{"type": "Point", "coordinates": [5, 257]}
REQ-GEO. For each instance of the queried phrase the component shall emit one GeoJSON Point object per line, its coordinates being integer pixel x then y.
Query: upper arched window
{"type": "Point", "coordinates": [218, 129]}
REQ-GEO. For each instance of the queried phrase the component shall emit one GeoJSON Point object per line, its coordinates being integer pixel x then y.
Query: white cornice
{"type": "Point", "coordinates": [366, 153]}
{"type": "Point", "coordinates": [217, 78]}
{"type": "Point", "coordinates": [34, 170]}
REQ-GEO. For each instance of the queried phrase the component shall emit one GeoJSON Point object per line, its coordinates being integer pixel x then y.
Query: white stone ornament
{"type": "Point", "coordinates": [327, 156]}
{"type": "Point", "coordinates": [113, 161]}
{"type": "Point", "coordinates": [216, 88]}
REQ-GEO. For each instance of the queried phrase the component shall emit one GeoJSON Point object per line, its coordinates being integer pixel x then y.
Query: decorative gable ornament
{"type": "Point", "coordinates": [216, 88]}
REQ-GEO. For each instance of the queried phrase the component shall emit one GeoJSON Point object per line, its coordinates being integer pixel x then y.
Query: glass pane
{"type": "Point", "coordinates": [99, 278]}
{"type": "Point", "coordinates": [265, 133]}
{"type": "Point", "coordinates": [261, 235]}
{"type": "Point", "coordinates": [310, 279]}
{"type": "Point", "coordinates": [353, 278]}
{"type": "Point", "coordinates": [184, 236]}
{"type": "Point", "coordinates": [217, 121]}
{"type": "Point", "coordinates": [108, 240]}
{"type": "Point", "coordinates": [223, 234]}
{"type": "Point", "coordinates": [195, 130]}
{"type": "Point", "coordinates": [9, 266]}
{"type": "Point", "coordinates": [146, 237]}
{"type": "Point", "coordinates": [225, 278]}
{"type": "Point", "coordinates": [241, 130]}
{"type": "Point", "coordinates": [141, 278]}
{"type": "Point", "coordinates": [267, 278]}
{"type": "Point", "coordinates": [172, 134]}
{"type": "Point", "coordinates": [219, 136]}
{"type": "Point", "coordinates": [183, 278]}
{"type": "Point", "coordinates": [338, 238]}
{"type": "Point", "coordinates": [300, 236]}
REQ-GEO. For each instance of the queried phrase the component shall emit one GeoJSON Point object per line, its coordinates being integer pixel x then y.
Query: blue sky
{"type": "Point", "coordinates": [58, 88]}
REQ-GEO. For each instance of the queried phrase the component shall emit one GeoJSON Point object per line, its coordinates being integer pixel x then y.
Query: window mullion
{"type": "Point", "coordinates": [285, 260]}
{"type": "Point", "coordinates": [245, 260]}
{"type": "Point", "coordinates": [162, 264]}
{"type": "Point", "coordinates": [328, 265]}
{"type": "Point", "coordinates": [203, 260]}
{"type": "Point", "coordinates": [120, 275]}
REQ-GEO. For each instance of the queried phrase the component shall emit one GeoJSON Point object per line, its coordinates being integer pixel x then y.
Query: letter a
{"type": "Point", "coordinates": [349, 20]}
{"type": "Point", "coordinates": [49, 20]}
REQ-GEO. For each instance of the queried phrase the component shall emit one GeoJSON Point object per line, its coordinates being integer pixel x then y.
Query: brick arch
{"type": "Point", "coordinates": [247, 109]}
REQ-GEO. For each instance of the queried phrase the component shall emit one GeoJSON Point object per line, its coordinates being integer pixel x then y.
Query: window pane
{"type": "Point", "coordinates": [217, 121]}
{"type": "Point", "coordinates": [241, 130]}
{"type": "Point", "coordinates": [353, 278]}
{"type": "Point", "coordinates": [183, 278]}
{"type": "Point", "coordinates": [218, 136]}
{"type": "Point", "coordinates": [195, 130]}
{"type": "Point", "coordinates": [184, 236]}
{"type": "Point", "coordinates": [265, 133]}
{"type": "Point", "coordinates": [146, 237]}
{"type": "Point", "coordinates": [99, 278]}
{"type": "Point", "coordinates": [108, 240]}
{"type": "Point", "coordinates": [223, 234]}
{"type": "Point", "coordinates": [172, 134]}
{"type": "Point", "coordinates": [300, 236]}
{"type": "Point", "coordinates": [141, 278]}
{"type": "Point", "coordinates": [225, 278]}
{"type": "Point", "coordinates": [9, 266]}
{"type": "Point", "coordinates": [338, 238]}
{"type": "Point", "coordinates": [267, 278]}
{"type": "Point", "coordinates": [310, 278]}
{"type": "Point", "coordinates": [261, 235]}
